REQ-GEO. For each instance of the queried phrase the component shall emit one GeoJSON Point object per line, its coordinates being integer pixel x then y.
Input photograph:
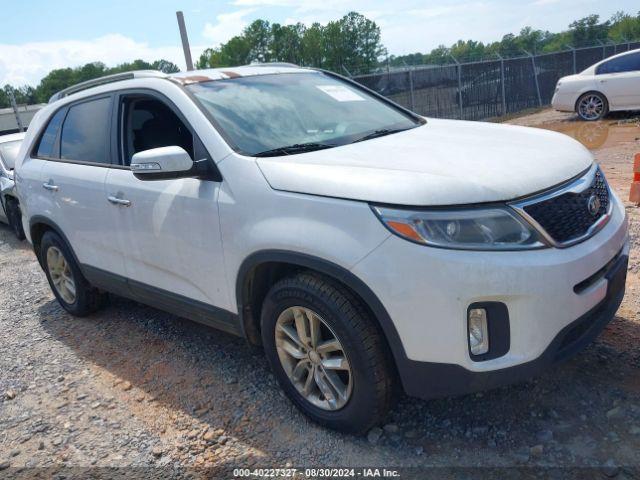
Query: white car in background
{"type": "Point", "coordinates": [610, 85]}
{"type": "Point", "coordinates": [9, 205]}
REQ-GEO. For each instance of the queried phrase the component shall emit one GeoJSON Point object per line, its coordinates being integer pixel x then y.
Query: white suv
{"type": "Point", "coordinates": [366, 248]}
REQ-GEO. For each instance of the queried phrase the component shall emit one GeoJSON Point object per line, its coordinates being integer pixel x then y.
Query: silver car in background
{"type": "Point", "coordinates": [10, 206]}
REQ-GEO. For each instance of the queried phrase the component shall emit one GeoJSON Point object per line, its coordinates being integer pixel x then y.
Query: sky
{"type": "Point", "coordinates": [40, 35]}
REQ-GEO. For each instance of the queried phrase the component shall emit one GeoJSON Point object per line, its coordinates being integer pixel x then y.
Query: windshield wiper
{"type": "Point", "coordinates": [295, 148]}
{"type": "Point", "coordinates": [380, 133]}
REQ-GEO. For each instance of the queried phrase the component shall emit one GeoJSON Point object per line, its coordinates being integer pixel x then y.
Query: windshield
{"type": "Point", "coordinates": [262, 113]}
{"type": "Point", "coordinates": [9, 153]}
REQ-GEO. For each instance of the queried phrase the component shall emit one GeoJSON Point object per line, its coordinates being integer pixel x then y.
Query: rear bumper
{"type": "Point", "coordinates": [563, 102]}
{"type": "Point", "coordinates": [430, 380]}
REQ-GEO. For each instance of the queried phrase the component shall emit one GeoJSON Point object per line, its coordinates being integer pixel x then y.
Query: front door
{"type": "Point", "coordinates": [170, 228]}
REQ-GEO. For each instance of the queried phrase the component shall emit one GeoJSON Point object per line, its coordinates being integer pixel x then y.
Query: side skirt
{"type": "Point", "coordinates": [164, 300]}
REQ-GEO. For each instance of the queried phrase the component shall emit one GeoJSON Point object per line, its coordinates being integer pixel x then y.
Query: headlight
{"type": "Point", "coordinates": [495, 228]}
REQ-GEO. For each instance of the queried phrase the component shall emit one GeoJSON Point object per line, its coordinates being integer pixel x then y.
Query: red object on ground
{"type": "Point", "coordinates": [634, 194]}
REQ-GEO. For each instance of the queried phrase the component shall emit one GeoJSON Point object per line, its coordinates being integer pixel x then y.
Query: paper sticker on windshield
{"type": "Point", "coordinates": [340, 93]}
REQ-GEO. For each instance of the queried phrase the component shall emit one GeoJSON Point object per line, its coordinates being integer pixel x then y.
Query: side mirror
{"type": "Point", "coordinates": [162, 163]}
{"type": "Point", "coordinates": [166, 163]}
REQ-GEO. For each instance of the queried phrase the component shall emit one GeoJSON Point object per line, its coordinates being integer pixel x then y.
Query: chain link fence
{"type": "Point", "coordinates": [486, 89]}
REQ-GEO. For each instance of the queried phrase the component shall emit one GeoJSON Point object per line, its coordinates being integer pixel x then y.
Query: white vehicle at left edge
{"type": "Point", "coordinates": [9, 204]}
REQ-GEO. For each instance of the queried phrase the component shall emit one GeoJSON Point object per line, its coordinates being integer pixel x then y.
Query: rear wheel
{"type": "Point", "coordinates": [14, 216]}
{"type": "Point", "coordinates": [74, 293]}
{"type": "Point", "coordinates": [326, 352]}
{"type": "Point", "coordinates": [592, 106]}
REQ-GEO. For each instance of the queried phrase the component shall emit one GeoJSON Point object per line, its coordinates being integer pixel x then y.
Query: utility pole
{"type": "Point", "coordinates": [14, 106]}
{"type": "Point", "coordinates": [185, 41]}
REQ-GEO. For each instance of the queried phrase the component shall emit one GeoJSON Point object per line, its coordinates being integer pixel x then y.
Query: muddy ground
{"type": "Point", "coordinates": [133, 386]}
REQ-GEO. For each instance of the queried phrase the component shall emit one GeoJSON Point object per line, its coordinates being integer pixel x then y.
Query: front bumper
{"type": "Point", "coordinates": [427, 292]}
{"type": "Point", "coordinates": [429, 380]}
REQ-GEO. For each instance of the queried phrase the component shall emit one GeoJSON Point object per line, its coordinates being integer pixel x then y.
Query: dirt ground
{"type": "Point", "coordinates": [132, 386]}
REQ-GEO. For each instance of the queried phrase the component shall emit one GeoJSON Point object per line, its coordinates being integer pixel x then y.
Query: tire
{"type": "Point", "coordinates": [592, 106]}
{"type": "Point", "coordinates": [86, 299]}
{"type": "Point", "coordinates": [341, 315]}
{"type": "Point", "coordinates": [14, 216]}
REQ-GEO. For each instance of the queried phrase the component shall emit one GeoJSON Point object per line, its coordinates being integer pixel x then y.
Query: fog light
{"type": "Point", "coordinates": [478, 332]}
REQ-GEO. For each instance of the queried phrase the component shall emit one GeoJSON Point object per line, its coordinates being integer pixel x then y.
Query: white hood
{"type": "Point", "coordinates": [444, 162]}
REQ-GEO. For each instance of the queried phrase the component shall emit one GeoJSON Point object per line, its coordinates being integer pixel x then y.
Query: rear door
{"type": "Point", "coordinates": [73, 179]}
{"type": "Point", "coordinates": [28, 178]}
{"type": "Point", "coordinates": [619, 80]}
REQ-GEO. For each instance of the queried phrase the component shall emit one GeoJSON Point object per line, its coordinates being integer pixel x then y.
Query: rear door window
{"type": "Point", "coordinates": [85, 132]}
{"type": "Point", "coordinates": [626, 63]}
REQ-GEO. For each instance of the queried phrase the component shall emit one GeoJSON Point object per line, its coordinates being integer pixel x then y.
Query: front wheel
{"type": "Point", "coordinates": [592, 106]}
{"type": "Point", "coordinates": [326, 353]}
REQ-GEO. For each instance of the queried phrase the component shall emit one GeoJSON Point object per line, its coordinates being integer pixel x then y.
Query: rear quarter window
{"type": "Point", "coordinates": [48, 139]}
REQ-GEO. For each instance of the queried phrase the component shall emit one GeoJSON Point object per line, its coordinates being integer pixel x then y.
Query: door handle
{"type": "Point", "coordinates": [119, 201]}
{"type": "Point", "coordinates": [50, 186]}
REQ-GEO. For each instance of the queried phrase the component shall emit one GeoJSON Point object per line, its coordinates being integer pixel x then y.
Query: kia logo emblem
{"type": "Point", "coordinates": [593, 205]}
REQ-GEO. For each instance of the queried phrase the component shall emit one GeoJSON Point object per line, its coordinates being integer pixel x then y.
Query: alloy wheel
{"type": "Point", "coordinates": [313, 358]}
{"type": "Point", "coordinates": [61, 275]}
{"type": "Point", "coordinates": [591, 107]}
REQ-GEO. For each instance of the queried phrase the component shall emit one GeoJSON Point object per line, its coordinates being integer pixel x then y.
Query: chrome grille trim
{"type": "Point", "coordinates": [577, 185]}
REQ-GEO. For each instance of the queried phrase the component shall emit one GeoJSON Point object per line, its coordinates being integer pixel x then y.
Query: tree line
{"type": "Point", "coordinates": [62, 78]}
{"type": "Point", "coordinates": [587, 31]}
{"type": "Point", "coordinates": [350, 45]}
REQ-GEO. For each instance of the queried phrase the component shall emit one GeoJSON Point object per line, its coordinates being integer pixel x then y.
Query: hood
{"type": "Point", "coordinates": [444, 162]}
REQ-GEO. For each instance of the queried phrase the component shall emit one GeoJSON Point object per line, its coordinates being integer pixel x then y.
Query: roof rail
{"type": "Point", "coordinates": [118, 77]}
{"type": "Point", "coordinates": [273, 64]}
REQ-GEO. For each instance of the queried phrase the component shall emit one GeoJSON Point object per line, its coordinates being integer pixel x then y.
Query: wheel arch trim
{"type": "Point", "coordinates": [42, 220]}
{"type": "Point", "coordinates": [334, 271]}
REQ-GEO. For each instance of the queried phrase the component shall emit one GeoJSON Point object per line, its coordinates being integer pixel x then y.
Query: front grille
{"type": "Point", "coordinates": [567, 217]}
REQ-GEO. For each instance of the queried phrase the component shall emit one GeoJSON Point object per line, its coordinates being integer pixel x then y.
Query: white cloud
{"type": "Point", "coordinates": [432, 12]}
{"type": "Point", "coordinates": [301, 6]}
{"type": "Point", "coordinates": [308, 4]}
{"type": "Point", "coordinates": [228, 25]}
{"type": "Point", "coordinates": [29, 62]}
{"type": "Point", "coordinates": [264, 3]}
{"type": "Point", "coordinates": [540, 3]}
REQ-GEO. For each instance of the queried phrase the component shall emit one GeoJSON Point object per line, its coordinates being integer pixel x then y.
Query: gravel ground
{"type": "Point", "coordinates": [134, 387]}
